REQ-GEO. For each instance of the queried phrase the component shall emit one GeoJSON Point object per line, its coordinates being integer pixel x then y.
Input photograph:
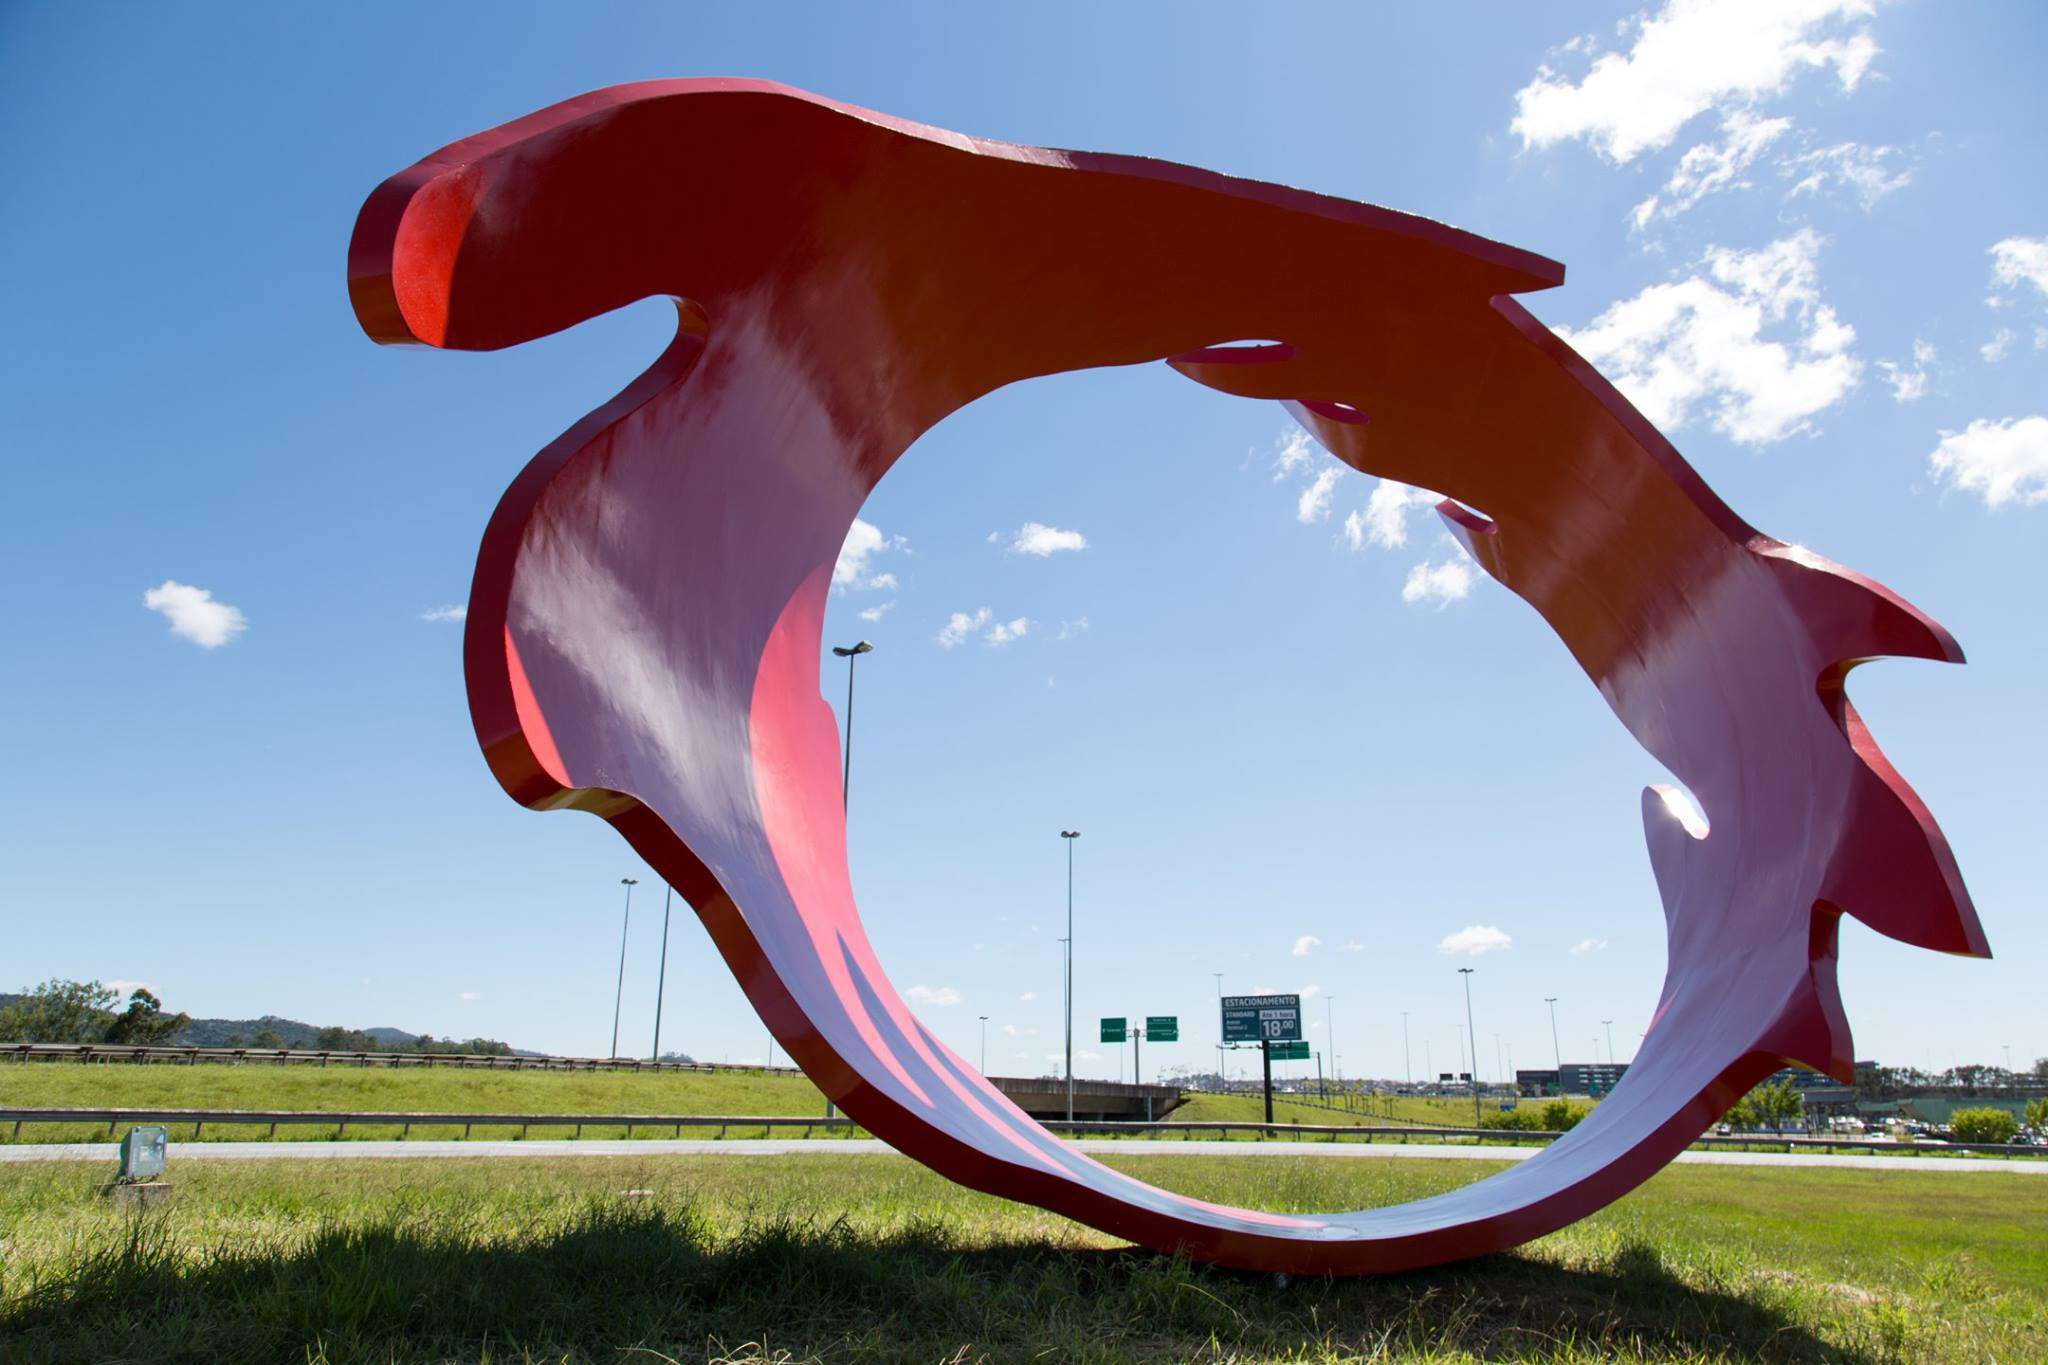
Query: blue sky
{"type": "Point", "coordinates": [1306, 748]}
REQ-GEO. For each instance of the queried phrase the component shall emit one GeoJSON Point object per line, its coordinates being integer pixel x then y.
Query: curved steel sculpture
{"type": "Point", "coordinates": [644, 627]}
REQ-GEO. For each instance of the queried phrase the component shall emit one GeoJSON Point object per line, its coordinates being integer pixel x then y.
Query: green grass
{"type": "Point", "coordinates": [644, 1259]}
{"type": "Point", "coordinates": [1371, 1110]}
{"type": "Point", "coordinates": [263, 1085]}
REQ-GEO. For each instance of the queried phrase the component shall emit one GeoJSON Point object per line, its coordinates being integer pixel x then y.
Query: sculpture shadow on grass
{"type": "Point", "coordinates": [652, 1279]}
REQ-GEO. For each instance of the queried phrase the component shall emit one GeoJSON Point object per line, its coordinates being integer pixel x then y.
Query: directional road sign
{"type": "Point", "coordinates": [1113, 1031]}
{"type": "Point", "coordinates": [1261, 1018]}
{"type": "Point", "coordinates": [1162, 1028]}
{"type": "Point", "coordinates": [1290, 1052]}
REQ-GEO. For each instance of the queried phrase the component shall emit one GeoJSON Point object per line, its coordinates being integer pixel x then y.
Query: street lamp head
{"type": "Point", "coordinates": [1070, 834]}
{"type": "Point", "coordinates": [629, 881]}
{"type": "Point", "coordinates": [1464, 971]}
{"type": "Point", "coordinates": [862, 648]}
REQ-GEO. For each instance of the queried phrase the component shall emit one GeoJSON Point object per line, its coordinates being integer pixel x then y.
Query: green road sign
{"type": "Point", "coordinates": [1113, 1031]}
{"type": "Point", "coordinates": [1162, 1028]}
{"type": "Point", "coordinates": [1261, 1018]}
{"type": "Point", "coordinates": [1290, 1052]}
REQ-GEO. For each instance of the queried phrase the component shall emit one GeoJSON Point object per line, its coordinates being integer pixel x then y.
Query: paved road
{"type": "Point", "coordinates": [828, 1147]}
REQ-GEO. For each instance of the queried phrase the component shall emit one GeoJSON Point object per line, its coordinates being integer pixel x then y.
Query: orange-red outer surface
{"type": "Point", "coordinates": [643, 632]}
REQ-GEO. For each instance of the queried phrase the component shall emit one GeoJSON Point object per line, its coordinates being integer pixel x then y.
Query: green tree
{"type": "Point", "coordinates": [335, 1038]}
{"type": "Point", "coordinates": [1983, 1125]}
{"type": "Point", "coordinates": [2037, 1115]}
{"type": "Point", "coordinates": [1560, 1116]}
{"type": "Point", "coordinates": [59, 1012]}
{"type": "Point", "coordinates": [267, 1039]}
{"type": "Point", "coordinates": [144, 1023]}
{"type": "Point", "coordinates": [1767, 1106]}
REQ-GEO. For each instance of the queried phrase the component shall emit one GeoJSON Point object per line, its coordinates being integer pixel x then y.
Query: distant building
{"type": "Point", "coordinates": [1573, 1078]}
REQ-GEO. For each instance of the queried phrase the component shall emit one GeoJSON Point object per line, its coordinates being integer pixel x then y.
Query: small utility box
{"type": "Point", "coordinates": [136, 1182]}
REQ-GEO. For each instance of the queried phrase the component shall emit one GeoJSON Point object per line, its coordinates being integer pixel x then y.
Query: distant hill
{"type": "Point", "coordinates": [292, 1033]}
{"type": "Point", "coordinates": [220, 1032]}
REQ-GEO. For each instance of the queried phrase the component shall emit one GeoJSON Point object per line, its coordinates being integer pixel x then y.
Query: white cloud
{"type": "Point", "coordinates": [1700, 342]}
{"type": "Point", "coordinates": [467, 996]}
{"type": "Point", "coordinates": [1996, 349]}
{"type": "Point", "coordinates": [1853, 166]}
{"type": "Point", "coordinates": [1442, 583]}
{"type": "Point", "coordinates": [1689, 58]}
{"type": "Point", "coordinates": [1077, 626]}
{"type": "Point", "coordinates": [877, 612]}
{"type": "Point", "coordinates": [1027, 997]}
{"type": "Point", "coordinates": [194, 615]}
{"type": "Point", "coordinates": [854, 568]}
{"type": "Point", "coordinates": [1306, 943]}
{"type": "Point", "coordinates": [1003, 632]}
{"type": "Point", "coordinates": [1354, 946]}
{"type": "Point", "coordinates": [1305, 992]}
{"type": "Point", "coordinates": [1295, 449]}
{"type": "Point", "coordinates": [960, 625]}
{"type": "Point", "coordinates": [124, 988]}
{"type": "Point", "coordinates": [1087, 1055]}
{"type": "Point", "coordinates": [2021, 260]}
{"type": "Point", "coordinates": [1013, 1031]}
{"type": "Point", "coordinates": [994, 633]}
{"type": "Point", "coordinates": [2001, 462]}
{"type": "Point", "coordinates": [1475, 939]}
{"type": "Point", "coordinates": [932, 995]}
{"type": "Point", "coordinates": [454, 613]}
{"type": "Point", "coordinates": [1710, 167]}
{"type": "Point", "coordinates": [1036, 538]}
{"type": "Point", "coordinates": [1314, 504]}
{"type": "Point", "coordinates": [1384, 522]}
{"type": "Point", "coordinates": [1909, 383]}
{"type": "Point", "coordinates": [1589, 945]}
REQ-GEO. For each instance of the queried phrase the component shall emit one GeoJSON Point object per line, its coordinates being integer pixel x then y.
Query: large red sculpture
{"type": "Point", "coordinates": [643, 633]}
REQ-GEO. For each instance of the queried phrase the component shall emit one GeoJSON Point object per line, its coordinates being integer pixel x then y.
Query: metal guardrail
{"type": "Point", "coordinates": [120, 1052]}
{"type": "Point", "coordinates": [405, 1121]}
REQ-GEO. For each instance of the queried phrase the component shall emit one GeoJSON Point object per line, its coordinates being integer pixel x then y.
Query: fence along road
{"type": "Point", "coordinates": [1345, 1135]}
{"type": "Point", "coordinates": [779, 1147]}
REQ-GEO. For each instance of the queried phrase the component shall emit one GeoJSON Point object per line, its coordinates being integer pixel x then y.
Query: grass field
{"type": "Point", "coordinates": [446, 1090]}
{"type": "Point", "coordinates": [1418, 1109]}
{"type": "Point", "coordinates": [862, 1258]}
{"type": "Point", "coordinates": [260, 1085]}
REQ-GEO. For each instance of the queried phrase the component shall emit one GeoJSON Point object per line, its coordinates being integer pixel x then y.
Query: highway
{"type": "Point", "coordinates": [831, 1147]}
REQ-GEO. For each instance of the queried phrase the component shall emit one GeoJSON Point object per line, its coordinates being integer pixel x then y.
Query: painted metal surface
{"type": "Point", "coordinates": [643, 639]}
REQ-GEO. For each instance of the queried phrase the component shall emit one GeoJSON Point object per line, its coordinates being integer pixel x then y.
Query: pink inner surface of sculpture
{"type": "Point", "coordinates": [644, 626]}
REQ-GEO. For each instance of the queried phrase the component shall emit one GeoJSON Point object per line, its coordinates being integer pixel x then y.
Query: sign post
{"type": "Point", "coordinates": [1265, 1020]}
{"type": "Point", "coordinates": [1160, 1028]}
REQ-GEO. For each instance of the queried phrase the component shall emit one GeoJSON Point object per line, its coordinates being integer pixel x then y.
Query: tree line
{"type": "Point", "coordinates": [87, 1012]}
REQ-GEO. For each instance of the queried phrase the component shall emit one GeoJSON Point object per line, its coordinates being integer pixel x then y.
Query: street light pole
{"type": "Point", "coordinates": [1221, 1079]}
{"type": "Point", "coordinates": [1609, 1023]}
{"type": "Point", "coordinates": [1407, 1053]}
{"type": "Point", "coordinates": [1466, 972]}
{"type": "Point", "coordinates": [849, 653]}
{"type": "Point", "coordinates": [984, 1045]}
{"type": "Point", "coordinates": [1070, 835]}
{"type": "Point", "coordinates": [1330, 1038]}
{"type": "Point", "coordinates": [619, 999]}
{"type": "Point", "coordinates": [661, 978]}
{"type": "Point", "coordinates": [1556, 1052]}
